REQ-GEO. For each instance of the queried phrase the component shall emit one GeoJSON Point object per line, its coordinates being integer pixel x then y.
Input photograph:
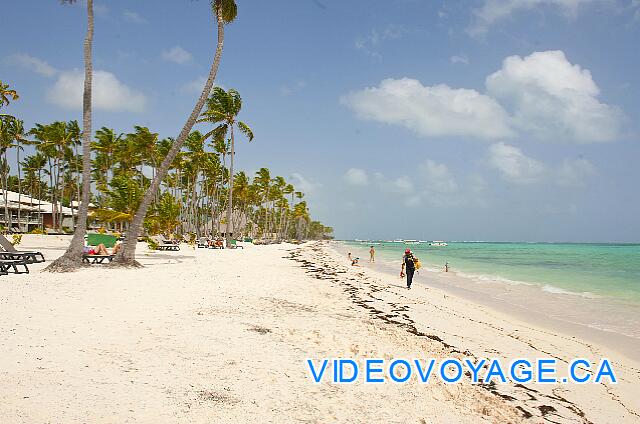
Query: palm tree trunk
{"type": "Point", "coordinates": [72, 258]}
{"type": "Point", "coordinates": [127, 254]}
{"type": "Point", "coordinates": [229, 228]}
{"type": "Point", "coordinates": [39, 199]}
{"type": "Point", "coordinates": [78, 192]}
{"type": "Point", "coordinates": [7, 219]}
{"type": "Point", "coordinates": [19, 187]}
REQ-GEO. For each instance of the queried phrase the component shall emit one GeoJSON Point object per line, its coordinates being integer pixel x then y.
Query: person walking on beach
{"type": "Point", "coordinates": [372, 254]}
{"type": "Point", "coordinates": [408, 264]}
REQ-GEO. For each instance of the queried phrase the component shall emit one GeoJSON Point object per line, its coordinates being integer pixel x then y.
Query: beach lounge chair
{"type": "Point", "coordinates": [164, 244]}
{"type": "Point", "coordinates": [234, 245]}
{"type": "Point", "coordinates": [9, 252]}
{"type": "Point", "coordinates": [203, 242]}
{"type": "Point", "coordinates": [97, 259]}
{"type": "Point", "coordinates": [95, 239]}
{"type": "Point", "coordinates": [217, 244]}
{"type": "Point", "coordinates": [13, 266]}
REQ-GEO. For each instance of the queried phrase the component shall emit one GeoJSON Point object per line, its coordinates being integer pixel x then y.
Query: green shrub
{"type": "Point", "coordinates": [37, 231]}
{"type": "Point", "coordinates": [17, 238]}
{"type": "Point", "coordinates": [153, 245]}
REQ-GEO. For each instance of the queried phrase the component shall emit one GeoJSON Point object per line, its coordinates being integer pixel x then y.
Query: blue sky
{"type": "Point", "coordinates": [478, 120]}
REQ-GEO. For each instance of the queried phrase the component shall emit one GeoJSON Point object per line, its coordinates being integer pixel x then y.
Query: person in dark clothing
{"type": "Point", "coordinates": [409, 266]}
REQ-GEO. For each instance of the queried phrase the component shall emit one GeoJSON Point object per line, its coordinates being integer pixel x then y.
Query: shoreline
{"type": "Point", "coordinates": [222, 336]}
{"type": "Point", "coordinates": [515, 300]}
{"type": "Point", "coordinates": [472, 328]}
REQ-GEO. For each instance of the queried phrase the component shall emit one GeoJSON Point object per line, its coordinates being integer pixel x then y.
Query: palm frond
{"type": "Point", "coordinates": [244, 128]}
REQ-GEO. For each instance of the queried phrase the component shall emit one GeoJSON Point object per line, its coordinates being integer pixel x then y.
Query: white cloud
{"type": "Point", "coordinates": [33, 64]}
{"type": "Point", "coordinates": [399, 185]}
{"type": "Point", "coordinates": [554, 99]}
{"type": "Point", "coordinates": [369, 43]}
{"type": "Point", "coordinates": [133, 17]}
{"type": "Point", "coordinates": [109, 93]}
{"type": "Point", "coordinates": [402, 184]}
{"type": "Point", "coordinates": [437, 186]}
{"type": "Point", "coordinates": [304, 185]}
{"type": "Point", "coordinates": [356, 177]}
{"type": "Point", "coordinates": [463, 59]}
{"type": "Point", "coordinates": [177, 55]}
{"type": "Point", "coordinates": [542, 96]}
{"type": "Point", "coordinates": [431, 110]}
{"type": "Point", "coordinates": [493, 11]}
{"type": "Point", "coordinates": [573, 172]}
{"type": "Point", "coordinates": [513, 165]}
{"type": "Point", "coordinates": [437, 178]}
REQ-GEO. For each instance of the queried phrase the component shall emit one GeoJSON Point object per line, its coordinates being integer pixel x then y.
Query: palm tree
{"type": "Point", "coordinates": [7, 140]}
{"type": "Point", "coordinates": [223, 108]}
{"type": "Point", "coordinates": [106, 145]}
{"type": "Point", "coordinates": [225, 12]}
{"type": "Point", "coordinates": [263, 184]}
{"type": "Point", "coordinates": [32, 165]}
{"type": "Point", "coordinates": [72, 258]}
{"type": "Point", "coordinates": [288, 189]}
{"type": "Point", "coordinates": [7, 94]}
{"type": "Point", "coordinates": [19, 137]}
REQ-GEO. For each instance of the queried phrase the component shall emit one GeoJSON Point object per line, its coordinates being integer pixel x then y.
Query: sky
{"type": "Point", "coordinates": [502, 120]}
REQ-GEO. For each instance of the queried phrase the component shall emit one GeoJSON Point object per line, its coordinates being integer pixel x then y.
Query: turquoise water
{"type": "Point", "coordinates": [589, 270]}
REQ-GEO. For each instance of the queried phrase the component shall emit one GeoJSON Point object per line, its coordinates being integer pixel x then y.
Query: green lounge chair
{"type": "Point", "coordinates": [234, 245]}
{"type": "Point", "coordinates": [94, 239]}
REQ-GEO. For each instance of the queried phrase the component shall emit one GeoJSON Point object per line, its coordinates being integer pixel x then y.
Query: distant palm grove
{"type": "Point", "coordinates": [193, 197]}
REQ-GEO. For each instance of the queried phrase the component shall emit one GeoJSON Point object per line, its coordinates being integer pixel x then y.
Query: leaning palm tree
{"type": "Point", "coordinates": [225, 12]}
{"type": "Point", "coordinates": [223, 108]}
{"type": "Point", "coordinates": [72, 258]}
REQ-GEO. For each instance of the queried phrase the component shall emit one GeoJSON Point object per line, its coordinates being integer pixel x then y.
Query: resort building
{"type": "Point", "coordinates": [24, 213]}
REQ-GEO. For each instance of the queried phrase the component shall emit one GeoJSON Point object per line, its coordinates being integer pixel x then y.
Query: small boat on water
{"type": "Point", "coordinates": [397, 241]}
{"type": "Point", "coordinates": [438, 243]}
{"type": "Point", "coordinates": [411, 242]}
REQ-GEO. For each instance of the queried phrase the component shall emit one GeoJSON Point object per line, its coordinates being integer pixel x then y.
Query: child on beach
{"type": "Point", "coordinates": [372, 254]}
{"type": "Point", "coordinates": [354, 261]}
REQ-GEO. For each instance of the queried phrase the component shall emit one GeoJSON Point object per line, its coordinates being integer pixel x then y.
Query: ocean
{"type": "Point", "coordinates": [595, 285]}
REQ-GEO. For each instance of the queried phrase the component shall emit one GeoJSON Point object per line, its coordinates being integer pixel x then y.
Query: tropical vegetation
{"type": "Point", "coordinates": [193, 198]}
{"type": "Point", "coordinates": [136, 182]}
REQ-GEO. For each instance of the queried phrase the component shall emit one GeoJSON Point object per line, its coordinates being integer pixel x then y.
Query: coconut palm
{"type": "Point", "coordinates": [223, 108]}
{"type": "Point", "coordinates": [20, 140]}
{"type": "Point", "coordinates": [7, 141]}
{"type": "Point", "coordinates": [6, 95]}
{"type": "Point", "coordinates": [56, 141]}
{"type": "Point", "coordinates": [106, 145]}
{"type": "Point", "coordinates": [225, 12]}
{"type": "Point", "coordinates": [72, 258]}
{"type": "Point", "coordinates": [33, 166]}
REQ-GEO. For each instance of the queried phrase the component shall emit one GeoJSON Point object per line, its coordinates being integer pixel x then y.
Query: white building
{"type": "Point", "coordinates": [26, 213]}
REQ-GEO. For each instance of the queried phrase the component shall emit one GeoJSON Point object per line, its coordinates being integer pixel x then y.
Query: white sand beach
{"type": "Point", "coordinates": [201, 336]}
